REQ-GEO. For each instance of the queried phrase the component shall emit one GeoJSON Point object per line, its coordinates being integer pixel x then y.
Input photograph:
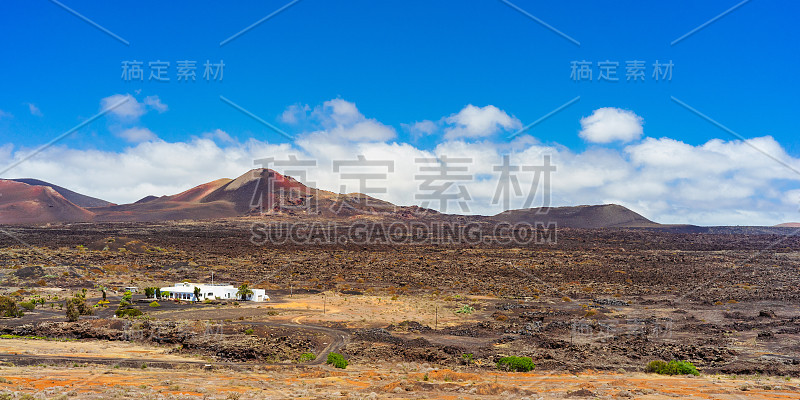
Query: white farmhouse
{"type": "Point", "coordinates": [185, 291]}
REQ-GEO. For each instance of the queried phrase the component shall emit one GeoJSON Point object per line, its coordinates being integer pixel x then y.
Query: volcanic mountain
{"type": "Point", "coordinates": [78, 199]}
{"type": "Point", "coordinates": [601, 216]}
{"type": "Point", "coordinates": [257, 191]}
{"type": "Point", "coordinates": [21, 203]}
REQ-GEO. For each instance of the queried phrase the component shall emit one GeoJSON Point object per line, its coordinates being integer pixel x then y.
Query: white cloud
{"type": "Point", "coordinates": [715, 183]}
{"type": "Point", "coordinates": [219, 135]}
{"type": "Point", "coordinates": [137, 134]}
{"type": "Point", "coordinates": [127, 108]}
{"type": "Point", "coordinates": [421, 128]}
{"type": "Point", "coordinates": [35, 111]}
{"type": "Point", "coordinates": [339, 120]}
{"type": "Point", "coordinates": [155, 103]}
{"type": "Point", "coordinates": [4, 114]}
{"type": "Point", "coordinates": [342, 112]}
{"type": "Point", "coordinates": [610, 124]}
{"type": "Point", "coordinates": [295, 113]}
{"type": "Point", "coordinates": [478, 122]}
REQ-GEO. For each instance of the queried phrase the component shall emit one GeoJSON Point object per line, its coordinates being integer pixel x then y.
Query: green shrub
{"type": "Point", "coordinates": [248, 331]}
{"type": "Point", "coordinates": [127, 312]}
{"type": "Point", "coordinates": [155, 304]}
{"type": "Point", "coordinates": [465, 309]}
{"type": "Point", "coordinates": [79, 300]}
{"type": "Point", "coordinates": [28, 305]}
{"type": "Point", "coordinates": [8, 307]}
{"type": "Point", "coordinates": [306, 357]}
{"type": "Point", "coordinates": [468, 358]}
{"type": "Point", "coordinates": [673, 367]}
{"type": "Point", "coordinates": [516, 364]}
{"type": "Point", "coordinates": [72, 311]}
{"type": "Point", "coordinates": [337, 360]}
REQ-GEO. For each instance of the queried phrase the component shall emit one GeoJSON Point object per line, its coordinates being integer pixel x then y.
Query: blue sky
{"type": "Point", "coordinates": [400, 62]}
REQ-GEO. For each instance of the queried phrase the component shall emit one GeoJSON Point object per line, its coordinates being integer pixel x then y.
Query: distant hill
{"type": "Point", "coordinates": [22, 203]}
{"type": "Point", "coordinates": [145, 199]}
{"type": "Point", "coordinates": [78, 199]}
{"type": "Point", "coordinates": [788, 225]}
{"type": "Point", "coordinates": [601, 216]}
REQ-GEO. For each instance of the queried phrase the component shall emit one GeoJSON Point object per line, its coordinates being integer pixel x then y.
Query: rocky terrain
{"type": "Point", "coordinates": [594, 300]}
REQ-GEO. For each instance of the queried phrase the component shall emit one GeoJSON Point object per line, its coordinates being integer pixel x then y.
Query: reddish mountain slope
{"type": "Point", "coordinates": [257, 191]}
{"type": "Point", "coordinates": [197, 193]}
{"type": "Point", "coordinates": [78, 199]}
{"type": "Point", "coordinates": [21, 203]}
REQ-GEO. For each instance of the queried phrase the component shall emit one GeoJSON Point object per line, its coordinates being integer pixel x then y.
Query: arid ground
{"type": "Point", "coordinates": [414, 321]}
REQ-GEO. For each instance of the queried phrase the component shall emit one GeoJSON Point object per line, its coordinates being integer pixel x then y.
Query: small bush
{"type": "Point", "coordinates": [155, 304]}
{"type": "Point", "coordinates": [467, 358]}
{"type": "Point", "coordinates": [337, 360]}
{"type": "Point", "coordinates": [516, 364]}
{"type": "Point", "coordinates": [8, 307]}
{"type": "Point", "coordinates": [127, 312]}
{"type": "Point", "coordinates": [465, 309]}
{"type": "Point", "coordinates": [672, 368]}
{"type": "Point", "coordinates": [306, 357]}
{"type": "Point", "coordinates": [79, 301]}
{"type": "Point", "coordinates": [248, 331]}
{"type": "Point", "coordinates": [28, 305]}
{"type": "Point", "coordinates": [72, 311]}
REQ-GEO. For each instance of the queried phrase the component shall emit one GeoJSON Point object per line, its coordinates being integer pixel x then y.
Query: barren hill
{"type": "Point", "coordinates": [78, 199]}
{"type": "Point", "coordinates": [600, 216]}
{"type": "Point", "coordinates": [257, 191]}
{"type": "Point", "coordinates": [21, 203]}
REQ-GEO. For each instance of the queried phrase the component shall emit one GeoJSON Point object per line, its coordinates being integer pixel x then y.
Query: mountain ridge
{"type": "Point", "coordinates": [269, 193]}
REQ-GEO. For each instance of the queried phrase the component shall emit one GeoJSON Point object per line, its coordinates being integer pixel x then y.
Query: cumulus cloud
{"type": "Point", "coordinates": [478, 122]}
{"type": "Point", "coordinates": [35, 111]}
{"type": "Point", "coordinates": [155, 103]}
{"type": "Point", "coordinates": [137, 134]}
{"type": "Point", "coordinates": [610, 124]}
{"type": "Point", "coordinates": [339, 120]}
{"type": "Point", "coordinates": [720, 182]}
{"type": "Point", "coordinates": [421, 128]}
{"type": "Point", "coordinates": [219, 135]}
{"type": "Point", "coordinates": [295, 113]}
{"type": "Point", "coordinates": [128, 108]}
{"type": "Point", "coordinates": [125, 106]}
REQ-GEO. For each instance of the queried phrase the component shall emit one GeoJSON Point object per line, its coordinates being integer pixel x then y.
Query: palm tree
{"type": "Point", "coordinates": [244, 291]}
{"type": "Point", "coordinates": [196, 293]}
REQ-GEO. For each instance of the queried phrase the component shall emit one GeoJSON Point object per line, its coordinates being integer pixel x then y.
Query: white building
{"type": "Point", "coordinates": [185, 291]}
